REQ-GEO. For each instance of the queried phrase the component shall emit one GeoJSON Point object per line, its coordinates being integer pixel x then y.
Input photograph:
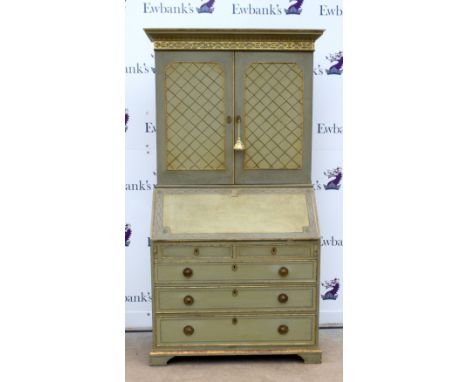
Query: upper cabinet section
{"type": "Point", "coordinates": [226, 116]}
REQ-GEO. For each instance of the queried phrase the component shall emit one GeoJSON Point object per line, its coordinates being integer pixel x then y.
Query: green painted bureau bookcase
{"type": "Point", "coordinates": [235, 241]}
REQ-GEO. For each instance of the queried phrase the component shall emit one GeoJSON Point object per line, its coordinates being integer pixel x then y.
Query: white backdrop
{"type": "Point", "coordinates": [141, 139]}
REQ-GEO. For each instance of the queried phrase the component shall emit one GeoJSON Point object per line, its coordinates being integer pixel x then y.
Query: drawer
{"type": "Point", "coordinates": [195, 251]}
{"type": "Point", "coordinates": [273, 249]}
{"type": "Point", "coordinates": [191, 273]}
{"type": "Point", "coordinates": [235, 297]}
{"type": "Point", "coordinates": [194, 330]}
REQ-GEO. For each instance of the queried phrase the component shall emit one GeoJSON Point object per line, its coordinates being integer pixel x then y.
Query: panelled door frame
{"type": "Point", "coordinates": [274, 176]}
{"type": "Point", "coordinates": [235, 65]}
{"type": "Point", "coordinates": [168, 176]}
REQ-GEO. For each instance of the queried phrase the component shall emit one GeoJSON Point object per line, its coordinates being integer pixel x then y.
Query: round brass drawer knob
{"type": "Point", "coordinates": [188, 300]}
{"type": "Point", "coordinates": [188, 330]}
{"type": "Point", "coordinates": [283, 298]}
{"type": "Point", "coordinates": [283, 329]}
{"type": "Point", "coordinates": [283, 271]}
{"type": "Point", "coordinates": [187, 272]}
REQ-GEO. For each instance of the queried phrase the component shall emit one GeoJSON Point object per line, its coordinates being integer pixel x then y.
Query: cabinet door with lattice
{"type": "Point", "coordinates": [273, 93]}
{"type": "Point", "coordinates": [194, 99]}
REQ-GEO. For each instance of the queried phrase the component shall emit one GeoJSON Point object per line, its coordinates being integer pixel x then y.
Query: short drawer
{"type": "Point", "coordinates": [235, 297]}
{"type": "Point", "coordinates": [270, 250]}
{"type": "Point", "coordinates": [232, 272]}
{"type": "Point", "coordinates": [237, 330]}
{"type": "Point", "coordinates": [195, 251]}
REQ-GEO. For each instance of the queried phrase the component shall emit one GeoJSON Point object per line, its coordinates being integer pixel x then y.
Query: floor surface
{"type": "Point", "coordinates": [287, 368]}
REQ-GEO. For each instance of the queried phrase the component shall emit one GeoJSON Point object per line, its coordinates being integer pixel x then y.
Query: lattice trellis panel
{"type": "Point", "coordinates": [195, 126]}
{"type": "Point", "coordinates": [274, 116]}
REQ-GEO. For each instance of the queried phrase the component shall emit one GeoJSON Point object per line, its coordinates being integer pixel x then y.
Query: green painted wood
{"type": "Point", "coordinates": [278, 145]}
{"type": "Point", "coordinates": [165, 176]}
{"type": "Point", "coordinates": [313, 357]}
{"type": "Point", "coordinates": [270, 213]}
{"type": "Point", "coordinates": [196, 251]}
{"type": "Point", "coordinates": [235, 298]}
{"type": "Point", "coordinates": [232, 272]}
{"type": "Point", "coordinates": [274, 249]}
{"type": "Point", "coordinates": [235, 272]}
{"type": "Point", "coordinates": [244, 330]}
{"type": "Point", "coordinates": [159, 360]}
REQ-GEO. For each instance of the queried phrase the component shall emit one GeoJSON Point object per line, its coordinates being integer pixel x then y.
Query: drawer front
{"type": "Point", "coordinates": [194, 251]}
{"type": "Point", "coordinates": [273, 249]}
{"type": "Point", "coordinates": [190, 273]}
{"type": "Point", "coordinates": [236, 330]}
{"type": "Point", "coordinates": [228, 298]}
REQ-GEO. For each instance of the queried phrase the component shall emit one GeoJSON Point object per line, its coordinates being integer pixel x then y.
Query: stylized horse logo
{"type": "Point", "coordinates": [336, 174]}
{"type": "Point", "coordinates": [206, 7]}
{"type": "Point", "coordinates": [333, 286]}
{"type": "Point", "coordinates": [127, 117]}
{"type": "Point", "coordinates": [128, 234]}
{"type": "Point", "coordinates": [294, 9]}
{"type": "Point", "coordinates": [338, 67]}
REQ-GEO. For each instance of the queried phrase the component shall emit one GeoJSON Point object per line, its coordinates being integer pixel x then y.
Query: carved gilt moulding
{"type": "Point", "coordinates": [234, 39]}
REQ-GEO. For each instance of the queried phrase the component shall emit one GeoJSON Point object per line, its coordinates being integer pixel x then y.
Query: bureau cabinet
{"type": "Point", "coordinates": [235, 240]}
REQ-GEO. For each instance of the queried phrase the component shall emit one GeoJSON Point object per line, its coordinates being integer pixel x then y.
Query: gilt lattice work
{"type": "Point", "coordinates": [274, 116]}
{"type": "Point", "coordinates": [195, 116]}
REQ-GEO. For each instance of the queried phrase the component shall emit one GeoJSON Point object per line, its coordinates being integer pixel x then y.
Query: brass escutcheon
{"type": "Point", "coordinates": [235, 292]}
{"type": "Point", "coordinates": [283, 271]}
{"type": "Point", "coordinates": [228, 119]}
{"type": "Point", "coordinates": [234, 267]}
{"type": "Point", "coordinates": [274, 251]}
{"type": "Point", "coordinates": [234, 321]}
{"type": "Point", "coordinates": [188, 300]}
{"type": "Point", "coordinates": [187, 272]}
{"type": "Point", "coordinates": [283, 329]}
{"type": "Point", "coordinates": [188, 330]}
{"type": "Point", "coordinates": [196, 251]}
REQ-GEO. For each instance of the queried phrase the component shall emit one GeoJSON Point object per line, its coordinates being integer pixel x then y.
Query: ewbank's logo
{"type": "Point", "coordinates": [338, 67]}
{"type": "Point", "coordinates": [294, 9]}
{"type": "Point", "coordinates": [207, 7]}
{"type": "Point", "coordinates": [127, 118]}
{"type": "Point", "coordinates": [335, 183]}
{"type": "Point", "coordinates": [142, 297]}
{"type": "Point", "coordinates": [128, 234]}
{"type": "Point", "coordinates": [333, 287]}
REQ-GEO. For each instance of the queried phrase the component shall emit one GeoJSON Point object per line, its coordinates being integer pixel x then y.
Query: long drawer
{"type": "Point", "coordinates": [235, 298]}
{"type": "Point", "coordinates": [239, 330]}
{"type": "Point", "coordinates": [191, 273]}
